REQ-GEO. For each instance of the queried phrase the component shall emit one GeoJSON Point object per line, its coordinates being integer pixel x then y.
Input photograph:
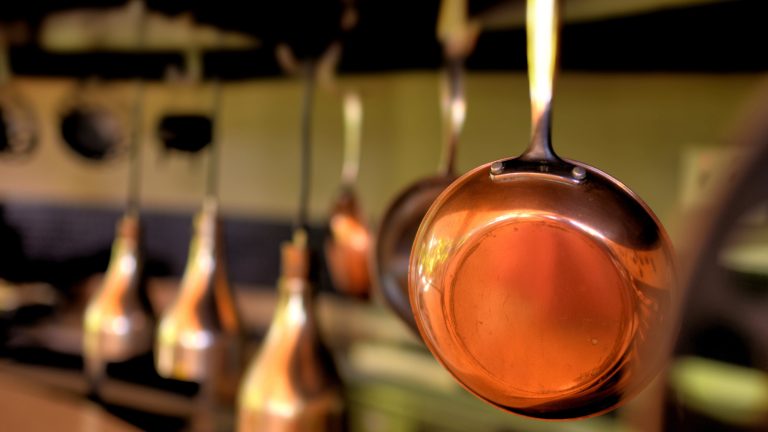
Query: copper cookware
{"type": "Point", "coordinates": [292, 384]}
{"type": "Point", "coordinates": [397, 230]}
{"type": "Point", "coordinates": [199, 337]}
{"type": "Point", "coordinates": [201, 328]}
{"type": "Point", "coordinates": [119, 321]}
{"type": "Point", "coordinates": [347, 248]}
{"type": "Point", "coordinates": [545, 286]}
{"type": "Point", "coordinates": [395, 236]}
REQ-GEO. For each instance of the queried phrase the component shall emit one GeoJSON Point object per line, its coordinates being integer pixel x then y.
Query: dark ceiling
{"type": "Point", "coordinates": [400, 35]}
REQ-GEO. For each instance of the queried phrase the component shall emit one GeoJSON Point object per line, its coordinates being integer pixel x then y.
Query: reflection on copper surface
{"type": "Point", "coordinates": [292, 385]}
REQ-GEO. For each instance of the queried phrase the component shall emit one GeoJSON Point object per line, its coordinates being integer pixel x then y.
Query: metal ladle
{"type": "Point", "coordinates": [543, 285]}
{"type": "Point", "coordinates": [348, 246]}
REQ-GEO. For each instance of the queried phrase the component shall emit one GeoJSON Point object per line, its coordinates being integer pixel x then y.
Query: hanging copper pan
{"type": "Point", "coordinates": [545, 286]}
{"type": "Point", "coordinates": [398, 228]}
{"type": "Point", "coordinates": [348, 246]}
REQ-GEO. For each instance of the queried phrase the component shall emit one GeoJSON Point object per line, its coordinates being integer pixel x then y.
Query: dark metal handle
{"type": "Point", "coordinates": [306, 147]}
{"type": "Point", "coordinates": [214, 152]}
{"type": "Point", "coordinates": [134, 151]}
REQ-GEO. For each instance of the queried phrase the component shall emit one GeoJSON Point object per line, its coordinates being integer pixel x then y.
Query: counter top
{"type": "Point", "coordinates": [27, 405]}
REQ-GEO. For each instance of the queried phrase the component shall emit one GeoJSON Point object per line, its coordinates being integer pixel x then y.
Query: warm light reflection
{"type": "Point", "coordinates": [350, 231]}
{"type": "Point", "coordinates": [353, 108]}
{"type": "Point", "coordinates": [127, 263]}
{"type": "Point", "coordinates": [353, 120]}
{"type": "Point", "coordinates": [196, 339]}
{"type": "Point", "coordinates": [205, 262]}
{"type": "Point", "coordinates": [437, 251]}
{"type": "Point", "coordinates": [280, 408]}
{"type": "Point", "coordinates": [458, 113]}
{"type": "Point", "coordinates": [295, 312]}
{"type": "Point", "coordinates": [120, 325]}
{"type": "Point", "coordinates": [542, 41]}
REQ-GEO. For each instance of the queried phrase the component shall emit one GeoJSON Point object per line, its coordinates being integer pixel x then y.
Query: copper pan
{"type": "Point", "coordinates": [401, 220]}
{"type": "Point", "coordinates": [349, 243]}
{"type": "Point", "coordinates": [544, 286]}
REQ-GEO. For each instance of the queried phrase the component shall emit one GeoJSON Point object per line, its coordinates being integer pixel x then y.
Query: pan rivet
{"type": "Point", "coordinates": [496, 168]}
{"type": "Point", "coordinates": [579, 173]}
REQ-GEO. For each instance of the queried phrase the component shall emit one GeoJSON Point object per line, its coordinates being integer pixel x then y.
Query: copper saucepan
{"type": "Point", "coordinates": [398, 228]}
{"type": "Point", "coordinates": [349, 243]}
{"type": "Point", "coordinates": [545, 286]}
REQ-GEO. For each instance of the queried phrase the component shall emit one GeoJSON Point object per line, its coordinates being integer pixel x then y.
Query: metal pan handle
{"type": "Point", "coordinates": [542, 24]}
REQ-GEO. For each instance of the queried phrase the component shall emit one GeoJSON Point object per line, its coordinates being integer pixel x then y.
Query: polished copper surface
{"type": "Point", "coordinates": [348, 246]}
{"type": "Point", "coordinates": [199, 335]}
{"type": "Point", "coordinates": [545, 286]}
{"type": "Point", "coordinates": [292, 384]}
{"type": "Point", "coordinates": [119, 323]}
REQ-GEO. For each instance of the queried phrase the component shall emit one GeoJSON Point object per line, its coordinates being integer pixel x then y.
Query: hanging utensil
{"type": "Point", "coordinates": [18, 125]}
{"type": "Point", "coordinates": [202, 324]}
{"type": "Point", "coordinates": [347, 248]}
{"type": "Point", "coordinates": [199, 334]}
{"type": "Point", "coordinates": [545, 286]}
{"type": "Point", "coordinates": [395, 236]}
{"type": "Point", "coordinates": [292, 384]}
{"type": "Point", "coordinates": [398, 228]}
{"type": "Point", "coordinates": [119, 320]}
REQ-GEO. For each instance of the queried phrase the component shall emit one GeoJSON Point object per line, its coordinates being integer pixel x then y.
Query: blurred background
{"type": "Point", "coordinates": [654, 92]}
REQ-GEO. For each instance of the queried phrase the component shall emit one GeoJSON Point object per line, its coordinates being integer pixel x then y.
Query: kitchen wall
{"type": "Point", "coordinates": [634, 126]}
